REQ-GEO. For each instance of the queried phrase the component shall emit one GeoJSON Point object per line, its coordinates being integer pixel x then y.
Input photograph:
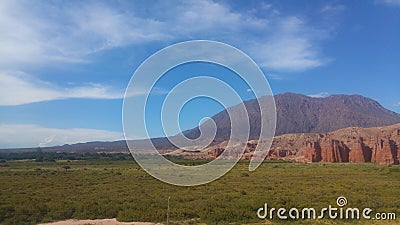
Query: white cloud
{"type": "Point", "coordinates": [396, 104]}
{"type": "Point", "coordinates": [319, 95]}
{"type": "Point", "coordinates": [40, 32]}
{"type": "Point", "coordinates": [292, 47]}
{"type": "Point", "coordinates": [274, 76]}
{"type": "Point", "coordinates": [389, 2]}
{"type": "Point", "coordinates": [20, 88]}
{"type": "Point", "coordinates": [43, 33]}
{"type": "Point", "coordinates": [32, 32]}
{"type": "Point", "coordinates": [25, 37]}
{"type": "Point", "coordinates": [198, 17]}
{"type": "Point", "coordinates": [96, 27]}
{"type": "Point", "coordinates": [279, 43]}
{"type": "Point", "coordinates": [332, 8]}
{"type": "Point", "coordinates": [289, 54]}
{"type": "Point", "coordinates": [30, 135]}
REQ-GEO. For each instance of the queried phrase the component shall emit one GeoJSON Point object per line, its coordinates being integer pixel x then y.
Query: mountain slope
{"type": "Point", "coordinates": [298, 113]}
{"type": "Point", "coordinates": [303, 114]}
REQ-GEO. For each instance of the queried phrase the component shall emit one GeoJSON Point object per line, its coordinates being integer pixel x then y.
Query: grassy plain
{"type": "Point", "coordinates": [33, 192]}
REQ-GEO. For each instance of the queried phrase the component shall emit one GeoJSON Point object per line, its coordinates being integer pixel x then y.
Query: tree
{"type": "Point", "coordinates": [66, 168]}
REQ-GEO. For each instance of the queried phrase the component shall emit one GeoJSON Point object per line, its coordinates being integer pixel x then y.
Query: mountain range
{"type": "Point", "coordinates": [296, 113]}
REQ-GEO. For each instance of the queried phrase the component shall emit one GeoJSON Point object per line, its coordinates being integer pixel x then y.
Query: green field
{"type": "Point", "coordinates": [40, 190]}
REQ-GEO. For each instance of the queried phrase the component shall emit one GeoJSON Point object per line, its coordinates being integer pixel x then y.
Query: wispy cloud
{"type": "Point", "coordinates": [47, 32]}
{"type": "Point", "coordinates": [319, 95]}
{"type": "Point", "coordinates": [278, 42]}
{"type": "Point", "coordinates": [396, 104]}
{"type": "Point", "coordinates": [19, 88]}
{"type": "Point", "coordinates": [198, 17]}
{"type": "Point", "coordinates": [275, 76]}
{"type": "Point", "coordinates": [31, 135]}
{"type": "Point", "coordinates": [292, 47]}
{"type": "Point", "coordinates": [332, 8]}
{"type": "Point", "coordinates": [41, 33]}
{"type": "Point", "coordinates": [389, 2]}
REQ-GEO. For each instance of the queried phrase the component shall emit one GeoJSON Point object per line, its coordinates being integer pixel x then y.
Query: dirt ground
{"type": "Point", "coordinates": [97, 222]}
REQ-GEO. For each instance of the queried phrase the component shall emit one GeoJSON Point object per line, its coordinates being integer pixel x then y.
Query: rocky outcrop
{"type": "Point", "coordinates": [354, 145]}
{"type": "Point", "coordinates": [379, 145]}
{"type": "Point", "coordinates": [215, 152]}
{"type": "Point", "coordinates": [384, 152]}
{"type": "Point", "coordinates": [359, 152]}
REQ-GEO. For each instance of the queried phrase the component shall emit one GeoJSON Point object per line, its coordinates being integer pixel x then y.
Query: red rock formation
{"type": "Point", "coordinates": [214, 153]}
{"type": "Point", "coordinates": [312, 151]}
{"type": "Point", "coordinates": [345, 145]}
{"type": "Point", "coordinates": [333, 151]}
{"type": "Point", "coordinates": [356, 153]}
{"type": "Point", "coordinates": [383, 152]}
{"type": "Point", "coordinates": [379, 145]}
{"type": "Point", "coordinates": [359, 152]}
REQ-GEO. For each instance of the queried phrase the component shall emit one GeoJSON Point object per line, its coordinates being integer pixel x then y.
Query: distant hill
{"type": "Point", "coordinates": [296, 113]}
{"type": "Point", "coordinates": [96, 146]}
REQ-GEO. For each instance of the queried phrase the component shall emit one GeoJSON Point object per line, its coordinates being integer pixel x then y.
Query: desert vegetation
{"type": "Point", "coordinates": [37, 187]}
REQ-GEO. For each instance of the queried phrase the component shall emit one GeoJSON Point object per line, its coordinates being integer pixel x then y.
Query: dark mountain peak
{"type": "Point", "coordinates": [291, 95]}
{"type": "Point", "coordinates": [298, 113]}
{"type": "Point", "coordinates": [351, 98]}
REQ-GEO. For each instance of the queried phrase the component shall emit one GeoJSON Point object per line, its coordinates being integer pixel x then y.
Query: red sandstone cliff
{"type": "Point", "coordinates": [353, 144]}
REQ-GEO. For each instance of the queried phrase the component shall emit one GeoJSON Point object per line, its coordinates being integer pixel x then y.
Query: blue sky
{"type": "Point", "coordinates": [64, 65]}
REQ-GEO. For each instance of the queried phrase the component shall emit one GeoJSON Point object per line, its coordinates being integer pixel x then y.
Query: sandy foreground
{"type": "Point", "coordinates": [97, 222]}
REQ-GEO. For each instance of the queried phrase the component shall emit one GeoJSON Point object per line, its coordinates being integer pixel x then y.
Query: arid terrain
{"type": "Point", "coordinates": [96, 222]}
{"type": "Point", "coordinates": [353, 144]}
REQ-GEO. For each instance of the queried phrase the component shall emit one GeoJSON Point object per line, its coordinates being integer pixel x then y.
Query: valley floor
{"type": "Point", "coordinates": [39, 192]}
{"type": "Point", "coordinates": [96, 222]}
